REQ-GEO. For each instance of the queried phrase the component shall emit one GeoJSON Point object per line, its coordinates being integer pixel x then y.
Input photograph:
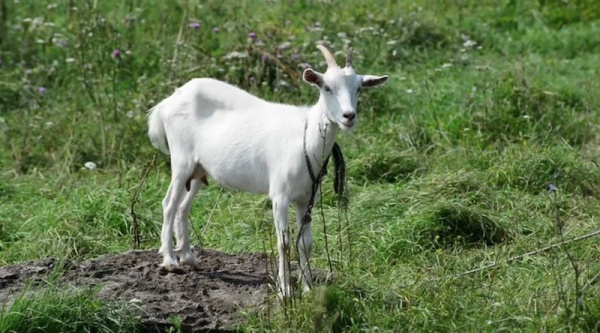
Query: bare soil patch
{"type": "Point", "coordinates": [209, 299]}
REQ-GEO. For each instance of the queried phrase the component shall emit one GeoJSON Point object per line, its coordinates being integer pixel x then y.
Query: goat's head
{"type": "Point", "coordinates": [340, 87]}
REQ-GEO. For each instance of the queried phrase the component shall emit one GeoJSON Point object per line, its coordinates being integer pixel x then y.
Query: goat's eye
{"type": "Point", "coordinates": [327, 89]}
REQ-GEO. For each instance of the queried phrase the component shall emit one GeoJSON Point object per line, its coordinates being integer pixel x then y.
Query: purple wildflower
{"type": "Point", "coordinates": [252, 34]}
{"type": "Point", "coordinates": [552, 188]}
{"type": "Point", "coordinates": [304, 65]}
{"type": "Point", "coordinates": [116, 53]}
{"type": "Point", "coordinates": [296, 56]}
{"type": "Point", "coordinates": [216, 30]}
{"type": "Point", "coordinates": [288, 22]}
{"type": "Point", "coordinates": [28, 71]}
{"type": "Point", "coordinates": [195, 25]}
{"type": "Point", "coordinates": [42, 90]}
{"type": "Point", "coordinates": [264, 57]}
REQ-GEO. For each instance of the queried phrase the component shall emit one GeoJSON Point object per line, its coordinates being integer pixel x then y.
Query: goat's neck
{"type": "Point", "coordinates": [320, 134]}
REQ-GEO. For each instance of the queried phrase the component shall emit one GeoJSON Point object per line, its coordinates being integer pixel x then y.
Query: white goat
{"type": "Point", "coordinates": [248, 144]}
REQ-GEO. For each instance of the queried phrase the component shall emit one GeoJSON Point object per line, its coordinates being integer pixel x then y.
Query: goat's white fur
{"type": "Point", "coordinates": [245, 143]}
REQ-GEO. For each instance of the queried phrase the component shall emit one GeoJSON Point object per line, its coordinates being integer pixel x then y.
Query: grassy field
{"type": "Point", "coordinates": [483, 146]}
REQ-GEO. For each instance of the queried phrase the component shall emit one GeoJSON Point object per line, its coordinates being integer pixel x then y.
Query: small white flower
{"type": "Point", "coordinates": [284, 45]}
{"type": "Point", "coordinates": [363, 29]}
{"type": "Point", "coordinates": [469, 43]}
{"type": "Point", "coordinates": [135, 301]}
{"type": "Point", "coordinates": [60, 40]}
{"type": "Point", "coordinates": [38, 21]}
{"type": "Point", "coordinates": [235, 55]}
{"type": "Point", "coordinates": [409, 91]}
{"type": "Point", "coordinates": [526, 116]}
{"type": "Point", "coordinates": [70, 60]}
{"type": "Point", "coordinates": [446, 65]}
{"type": "Point", "coordinates": [90, 165]}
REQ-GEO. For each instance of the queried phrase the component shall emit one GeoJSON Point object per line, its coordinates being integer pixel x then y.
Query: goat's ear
{"type": "Point", "coordinates": [373, 81]}
{"type": "Point", "coordinates": [313, 77]}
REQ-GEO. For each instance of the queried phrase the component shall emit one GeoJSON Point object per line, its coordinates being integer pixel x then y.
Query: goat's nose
{"type": "Point", "coordinates": [349, 115]}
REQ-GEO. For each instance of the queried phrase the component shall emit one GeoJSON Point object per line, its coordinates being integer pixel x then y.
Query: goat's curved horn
{"type": "Point", "coordinates": [349, 57]}
{"type": "Point", "coordinates": [328, 56]}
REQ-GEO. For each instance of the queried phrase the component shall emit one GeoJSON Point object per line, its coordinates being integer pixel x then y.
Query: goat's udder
{"type": "Point", "coordinates": [188, 184]}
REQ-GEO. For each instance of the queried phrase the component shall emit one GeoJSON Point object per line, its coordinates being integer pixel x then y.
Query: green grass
{"type": "Point", "coordinates": [448, 169]}
{"type": "Point", "coordinates": [55, 310]}
{"type": "Point", "coordinates": [51, 307]}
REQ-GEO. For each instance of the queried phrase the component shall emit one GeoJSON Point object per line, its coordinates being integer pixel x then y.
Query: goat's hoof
{"type": "Point", "coordinates": [189, 259]}
{"type": "Point", "coordinates": [170, 265]}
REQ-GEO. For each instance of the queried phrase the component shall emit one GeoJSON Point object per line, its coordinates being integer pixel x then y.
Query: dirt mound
{"type": "Point", "coordinates": [209, 299]}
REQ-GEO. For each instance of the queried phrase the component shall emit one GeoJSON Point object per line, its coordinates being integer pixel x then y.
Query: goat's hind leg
{"type": "Point", "coordinates": [182, 234]}
{"type": "Point", "coordinates": [171, 203]}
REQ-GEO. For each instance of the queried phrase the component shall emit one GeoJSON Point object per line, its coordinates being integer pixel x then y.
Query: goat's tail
{"type": "Point", "coordinates": [156, 129]}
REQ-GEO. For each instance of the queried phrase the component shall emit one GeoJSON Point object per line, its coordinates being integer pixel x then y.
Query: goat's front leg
{"type": "Point", "coordinates": [281, 207]}
{"type": "Point", "coordinates": [304, 246]}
